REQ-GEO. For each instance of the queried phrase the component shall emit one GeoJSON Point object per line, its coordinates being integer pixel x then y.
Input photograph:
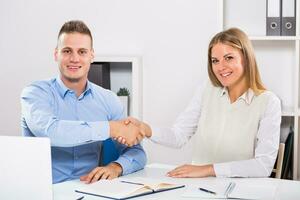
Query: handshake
{"type": "Point", "coordinates": [129, 131]}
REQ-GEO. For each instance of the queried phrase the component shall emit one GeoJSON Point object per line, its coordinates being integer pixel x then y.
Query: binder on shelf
{"type": "Point", "coordinates": [273, 17]}
{"type": "Point", "coordinates": [288, 20]}
{"type": "Point", "coordinates": [99, 74]}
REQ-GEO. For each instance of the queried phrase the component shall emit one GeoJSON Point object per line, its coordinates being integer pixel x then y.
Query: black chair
{"type": "Point", "coordinates": [108, 152]}
{"type": "Point", "coordinates": [287, 167]}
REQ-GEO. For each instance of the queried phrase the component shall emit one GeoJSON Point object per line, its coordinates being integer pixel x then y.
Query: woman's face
{"type": "Point", "coordinates": [228, 65]}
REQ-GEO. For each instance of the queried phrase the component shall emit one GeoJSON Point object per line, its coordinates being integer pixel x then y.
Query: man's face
{"type": "Point", "coordinates": [74, 55]}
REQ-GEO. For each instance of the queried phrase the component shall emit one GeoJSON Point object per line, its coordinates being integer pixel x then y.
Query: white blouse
{"type": "Point", "coordinates": [266, 145]}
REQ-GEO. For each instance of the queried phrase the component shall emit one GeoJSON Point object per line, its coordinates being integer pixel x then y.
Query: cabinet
{"type": "Point", "coordinates": [277, 56]}
{"type": "Point", "coordinates": [126, 71]}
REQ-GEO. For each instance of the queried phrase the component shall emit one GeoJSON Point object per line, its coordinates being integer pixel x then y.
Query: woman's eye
{"type": "Point", "coordinates": [229, 58]}
{"type": "Point", "coordinates": [214, 61]}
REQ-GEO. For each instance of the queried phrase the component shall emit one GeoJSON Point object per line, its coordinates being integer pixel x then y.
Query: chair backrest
{"type": "Point", "coordinates": [287, 167]}
{"type": "Point", "coordinates": [108, 152]}
{"type": "Point", "coordinates": [278, 169]}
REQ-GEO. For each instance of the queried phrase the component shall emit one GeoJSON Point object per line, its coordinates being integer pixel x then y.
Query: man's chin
{"type": "Point", "coordinates": [72, 79]}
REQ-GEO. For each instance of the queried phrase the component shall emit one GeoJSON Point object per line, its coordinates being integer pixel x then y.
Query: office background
{"type": "Point", "coordinates": [169, 36]}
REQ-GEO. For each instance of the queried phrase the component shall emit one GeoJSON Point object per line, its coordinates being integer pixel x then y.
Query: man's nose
{"type": "Point", "coordinates": [75, 57]}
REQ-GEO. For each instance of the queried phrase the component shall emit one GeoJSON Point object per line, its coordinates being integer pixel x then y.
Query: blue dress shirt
{"type": "Point", "coordinates": [76, 126]}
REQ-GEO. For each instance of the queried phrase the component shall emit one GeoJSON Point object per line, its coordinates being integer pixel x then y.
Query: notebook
{"type": "Point", "coordinates": [224, 190]}
{"type": "Point", "coordinates": [121, 188]}
{"type": "Point", "coordinates": [25, 169]}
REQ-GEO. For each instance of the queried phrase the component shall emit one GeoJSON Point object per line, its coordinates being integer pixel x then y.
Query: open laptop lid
{"type": "Point", "coordinates": [25, 168]}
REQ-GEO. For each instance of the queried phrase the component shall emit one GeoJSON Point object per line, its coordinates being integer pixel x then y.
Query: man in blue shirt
{"type": "Point", "coordinates": [77, 115]}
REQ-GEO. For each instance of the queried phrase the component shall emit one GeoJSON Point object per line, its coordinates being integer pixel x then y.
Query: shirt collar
{"type": "Point", "coordinates": [247, 96]}
{"type": "Point", "coordinates": [63, 89]}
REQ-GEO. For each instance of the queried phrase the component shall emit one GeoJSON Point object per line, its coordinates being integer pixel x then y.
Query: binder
{"type": "Point", "coordinates": [273, 17]}
{"type": "Point", "coordinates": [288, 21]}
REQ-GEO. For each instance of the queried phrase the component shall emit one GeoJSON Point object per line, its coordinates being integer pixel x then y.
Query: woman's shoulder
{"type": "Point", "coordinates": [269, 95]}
{"type": "Point", "coordinates": [270, 98]}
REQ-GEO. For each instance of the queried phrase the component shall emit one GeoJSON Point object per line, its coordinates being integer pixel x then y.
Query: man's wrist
{"type": "Point", "coordinates": [113, 128]}
{"type": "Point", "coordinates": [117, 167]}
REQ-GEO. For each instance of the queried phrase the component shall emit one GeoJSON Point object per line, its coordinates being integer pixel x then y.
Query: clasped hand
{"type": "Point", "coordinates": [129, 131]}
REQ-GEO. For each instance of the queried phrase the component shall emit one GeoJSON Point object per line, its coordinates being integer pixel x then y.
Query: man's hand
{"type": "Point", "coordinates": [190, 171]}
{"type": "Point", "coordinates": [143, 127]}
{"type": "Point", "coordinates": [131, 134]}
{"type": "Point", "coordinates": [111, 171]}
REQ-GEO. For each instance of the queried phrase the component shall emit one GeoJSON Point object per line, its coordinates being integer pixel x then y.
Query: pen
{"type": "Point", "coordinates": [229, 189]}
{"type": "Point", "coordinates": [129, 182]}
{"type": "Point", "coordinates": [208, 191]}
{"type": "Point", "coordinates": [80, 198]}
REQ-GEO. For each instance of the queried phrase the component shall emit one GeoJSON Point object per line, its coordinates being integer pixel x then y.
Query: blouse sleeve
{"type": "Point", "coordinates": [184, 127]}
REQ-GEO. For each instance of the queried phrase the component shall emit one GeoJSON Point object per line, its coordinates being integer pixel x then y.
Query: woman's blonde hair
{"type": "Point", "coordinates": [236, 38]}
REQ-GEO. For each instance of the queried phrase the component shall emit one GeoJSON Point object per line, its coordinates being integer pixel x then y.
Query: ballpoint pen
{"type": "Point", "coordinates": [134, 183]}
{"type": "Point", "coordinates": [229, 189]}
{"type": "Point", "coordinates": [208, 191]}
{"type": "Point", "coordinates": [80, 198]}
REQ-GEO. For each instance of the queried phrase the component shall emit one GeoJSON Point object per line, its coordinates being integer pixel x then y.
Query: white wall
{"type": "Point", "coordinates": [171, 36]}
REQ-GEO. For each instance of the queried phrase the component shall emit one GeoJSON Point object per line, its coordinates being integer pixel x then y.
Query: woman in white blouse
{"type": "Point", "coordinates": [233, 118]}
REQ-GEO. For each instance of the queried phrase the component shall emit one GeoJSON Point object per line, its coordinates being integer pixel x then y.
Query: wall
{"type": "Point", "coordinates": [171, 36]}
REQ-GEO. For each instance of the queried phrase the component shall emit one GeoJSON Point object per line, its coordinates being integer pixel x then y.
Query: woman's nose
{"type": "Point", "coordinates": [222, 65]}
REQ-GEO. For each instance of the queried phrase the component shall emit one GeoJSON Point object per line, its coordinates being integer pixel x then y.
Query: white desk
{"type": "Point", "coordinates": [289, 190]}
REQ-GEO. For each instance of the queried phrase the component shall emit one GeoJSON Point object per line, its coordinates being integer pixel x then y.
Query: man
{"type": "Point", "coordinates": [77, 115]}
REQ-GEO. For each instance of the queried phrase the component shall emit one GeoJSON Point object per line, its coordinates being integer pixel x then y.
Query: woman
{"type": "Point", "coordinates": [234, 119]}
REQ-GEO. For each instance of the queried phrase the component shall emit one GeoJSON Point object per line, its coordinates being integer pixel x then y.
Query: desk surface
{"type": "Point", "coordinates": [286, 189]}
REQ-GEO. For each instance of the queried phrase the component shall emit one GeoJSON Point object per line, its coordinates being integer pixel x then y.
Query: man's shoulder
{"type": "Point", "coordinates": [106, 96]}
{"type": "Point", "coordinates": [98, 90]}
{"type": "Point", "coordinates": [39, 86]}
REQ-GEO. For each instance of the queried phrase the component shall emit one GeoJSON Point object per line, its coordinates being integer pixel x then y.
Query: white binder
{"type": "Point", "coordinates": [273, 17]}
{"type": "Point", "coordinates": [288, 21]}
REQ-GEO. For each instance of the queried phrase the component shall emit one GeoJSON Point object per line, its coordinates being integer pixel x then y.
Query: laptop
{"type": "Point", "coordinates": [25, 168]}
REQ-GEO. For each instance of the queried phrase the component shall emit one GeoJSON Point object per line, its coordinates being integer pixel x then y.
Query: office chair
{"type": "Point", "coordinates": [108, 152]}
{"type": "Point", "coordinates": [278, 169]}
{"type": "Point", "coordinates": [287, 168]}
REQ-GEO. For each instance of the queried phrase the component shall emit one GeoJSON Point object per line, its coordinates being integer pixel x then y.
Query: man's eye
{"type": "Point", "coordinates": [66, 51]}
{"type": "Point", "coordinates": [82, 52]}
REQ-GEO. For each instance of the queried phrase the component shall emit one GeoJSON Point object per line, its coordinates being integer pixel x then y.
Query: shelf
{"type": "Point", "coordinates": [277, 38]}
{"type": "Point", "coordinates": [287, 112]}
{"type": "Point", "coordinates": [278, 58]}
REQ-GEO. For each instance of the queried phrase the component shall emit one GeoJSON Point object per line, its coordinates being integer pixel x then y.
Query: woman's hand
{"type": "Point", "coordinates": [192, 171]}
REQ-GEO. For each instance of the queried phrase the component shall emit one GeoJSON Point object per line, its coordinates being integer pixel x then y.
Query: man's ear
{"type": "Point", "coordinates": [92, 55]}
{"type": "Point", "coordinates": [56, 54]}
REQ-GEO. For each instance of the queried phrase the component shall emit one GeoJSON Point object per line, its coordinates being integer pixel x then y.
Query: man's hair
{"type": "Point", "coordinates": [237, 39]}
{"type": "Point", "coordinates": [75, 26]}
